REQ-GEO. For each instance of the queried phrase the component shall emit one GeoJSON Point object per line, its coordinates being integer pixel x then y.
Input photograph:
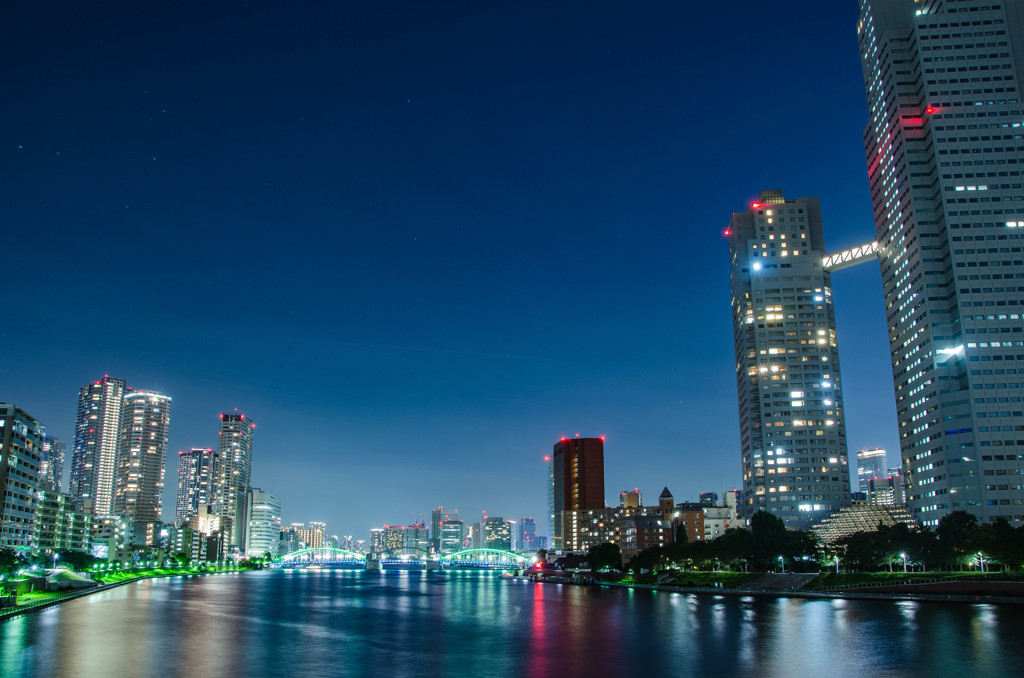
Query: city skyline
{"type": "Point", "coordinates": [396, 319]}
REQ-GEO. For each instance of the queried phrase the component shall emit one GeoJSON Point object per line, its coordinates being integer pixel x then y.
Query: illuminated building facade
{"type": "Point", "coordinates": [887, 489]}
{"type": "Point", "coordinates": [235, 470]}
{"type": "Point", "coordinates": [792, 432]}
{"type": "Point", "coordinates": [437, 518]}
{"type": "Point", "coordinates": [870, 464]}
{"type": "Point", "coordinates": [312, 535]}
{"type": "Point", "coordinates": [51, 467]}
{"type": "Point", "coordinates": [57, 525]}
{"type": "Point", "coordinates": [527, 538]}
{"type": "Point", "coordinates": [945, 157]}
{"type": "Point", "coordinates": [630, 498]}
{"type": "Point", "coordinates": [197, 481]}
{"type": "Point", "coordinates": [377, 542]}
{"type": "Point", "coordinates": [577, 479]}
{"type": "Point", "coordinates": [415, 541]}
{"type": "Point", "coordinates": [141, 462]}
{"type": "Point", "coordinates": [97, 443]}
{"type": "Point", "coordinates": [452, 534]}
{"type": "Point", "coordinates": [497, 534]}
{"type": "Point", "coordinates": [393, 540]}
{"type": "Point", "coordinates": [589, 527]}
{"type": "Point", "coordinates": [21, 443]}
{"type": "Point", "coordinates": [263, 522]}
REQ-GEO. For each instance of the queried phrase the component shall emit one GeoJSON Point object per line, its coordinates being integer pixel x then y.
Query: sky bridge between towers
{"type": "Point", "coordinates": [851, 257]}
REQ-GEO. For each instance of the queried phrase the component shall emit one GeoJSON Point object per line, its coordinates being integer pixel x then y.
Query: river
{"type": "Point", "coordinates": [476, 624]}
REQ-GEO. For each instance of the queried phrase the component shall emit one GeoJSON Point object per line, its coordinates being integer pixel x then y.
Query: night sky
{"type": "Point", "coordinates": [418, 242]}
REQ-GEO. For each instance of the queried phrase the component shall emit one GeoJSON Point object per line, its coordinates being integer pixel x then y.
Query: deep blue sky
{"type": "Point", "coordinates": [419, 242]}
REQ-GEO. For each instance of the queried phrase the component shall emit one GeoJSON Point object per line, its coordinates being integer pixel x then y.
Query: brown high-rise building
{"type": "Point", "coordinates": [578, 479]}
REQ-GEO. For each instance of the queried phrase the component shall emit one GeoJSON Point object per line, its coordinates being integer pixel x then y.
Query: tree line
{"type": "Point", "coordinates": [958, 542]}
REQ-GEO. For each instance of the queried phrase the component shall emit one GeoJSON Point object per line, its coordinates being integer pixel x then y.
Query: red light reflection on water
{"type": "Point", "coordinates": [541, 650]}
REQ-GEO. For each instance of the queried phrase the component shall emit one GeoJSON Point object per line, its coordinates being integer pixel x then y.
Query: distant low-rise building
{"type": "Point", "coordinates": [688, 520]}
{"type": "Point", "coordinates": [642, 532]}
{"type": "Point", "coordinates": [589, 527]}
{"type": "Point", "coordinates": [887, 490]}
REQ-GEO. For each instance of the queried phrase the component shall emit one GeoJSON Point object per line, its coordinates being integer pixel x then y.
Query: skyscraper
{"type": "Point", "coordinates": [21, 442]}
{"type": "Point", "coordinates": [97, 441]}
{"type": "Point", "coordinates": [263, 523]}
{"type": "Point", "coordinates": [197, 482]}
{"type": "Point", "coordinates": [527, 540]}
{"type": "Point", "coordinates": [437, 517]}
{"type": "Point", "coordinates": [550, 466]}
{"type": "Point", "coordinates": [792, 431]}
{"type": "Point", "coordinates": [236, 437]}
{"type": "Point", "coordinates": [452, 533]}
{"type": "Point", "coordinates": [577, 478]}
{"type": "Point", "coordinates": [51, 468]}
{"type": "Point", "coordinates": [945, 159]}
{"type": "Point", "coordinates": [141, 461]}
{"type": "Point", "coordinates": [871, 464]}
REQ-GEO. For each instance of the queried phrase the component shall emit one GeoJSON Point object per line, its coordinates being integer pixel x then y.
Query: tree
{"type": "Point", "coordinates": [735, 548]}
{"type": "Point", "coordinates": [606, 555]}
{"type": "Point", "coordinates": [1001, 542]}
{"type": "Point", "coordinates": [958, 536]}
{"type": "Point", "coordinates": [769, 533]}
{"type": "Point", "coordinates": [9, 560]}
{"type": "Point", "coordinates": [76, 560]}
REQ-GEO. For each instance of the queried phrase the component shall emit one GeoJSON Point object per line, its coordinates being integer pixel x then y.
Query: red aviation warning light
{"type": "Point", "coordinates": [727, 232]}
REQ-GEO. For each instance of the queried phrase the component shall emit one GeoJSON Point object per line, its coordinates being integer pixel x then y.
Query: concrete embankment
{"type": "Point", "coordinates": [9, 612]}
{"type": "Point", "coordinates": [1000, 593]}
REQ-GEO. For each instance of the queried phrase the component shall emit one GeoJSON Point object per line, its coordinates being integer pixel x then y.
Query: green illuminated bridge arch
{"type": "Point", "coordinates": [321, 555]}
{"type": "Point", "coordinates": [491, 555]}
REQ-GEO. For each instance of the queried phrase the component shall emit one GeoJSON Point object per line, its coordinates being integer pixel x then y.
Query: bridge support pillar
{"type": "Point", "coordinates": [372, 565]}
{"type": "Point", "coordinates": [433, 565]}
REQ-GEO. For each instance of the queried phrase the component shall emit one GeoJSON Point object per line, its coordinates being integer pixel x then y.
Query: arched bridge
{"type": "Point", "coordinates": [321, 556]}
{"type": "Point", "coordinates": [483, 558]}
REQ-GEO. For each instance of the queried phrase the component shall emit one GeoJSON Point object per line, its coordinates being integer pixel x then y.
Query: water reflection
{"type": "Point", "coordinates": [354, 623]}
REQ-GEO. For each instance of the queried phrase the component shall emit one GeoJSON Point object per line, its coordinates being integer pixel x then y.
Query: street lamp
{"type": "Point", "coordinates": [55, 556]}
{"type": "Point", "coordinates": [904, 557]}
{"type": "Point", "coordinates": [981, 557]}
{"type": "Point", "coordinates": [782, 564]}
{"type": "Point", "coordinates": [837, 563]}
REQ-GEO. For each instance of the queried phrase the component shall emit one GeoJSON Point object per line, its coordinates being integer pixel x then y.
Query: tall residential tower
{"type": "Point", "coordinates": [141, 461]}
{"type": "Point", "coordinates": [945, 158]}
{"type": "Point", "coordinates": [97, 440]}
{"type": "Point", "coordinates": [197, 482]}
{"type": "Point", "coordinates": [236, 435]}
{"type": "Point", "coordinates": [792, 431]}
